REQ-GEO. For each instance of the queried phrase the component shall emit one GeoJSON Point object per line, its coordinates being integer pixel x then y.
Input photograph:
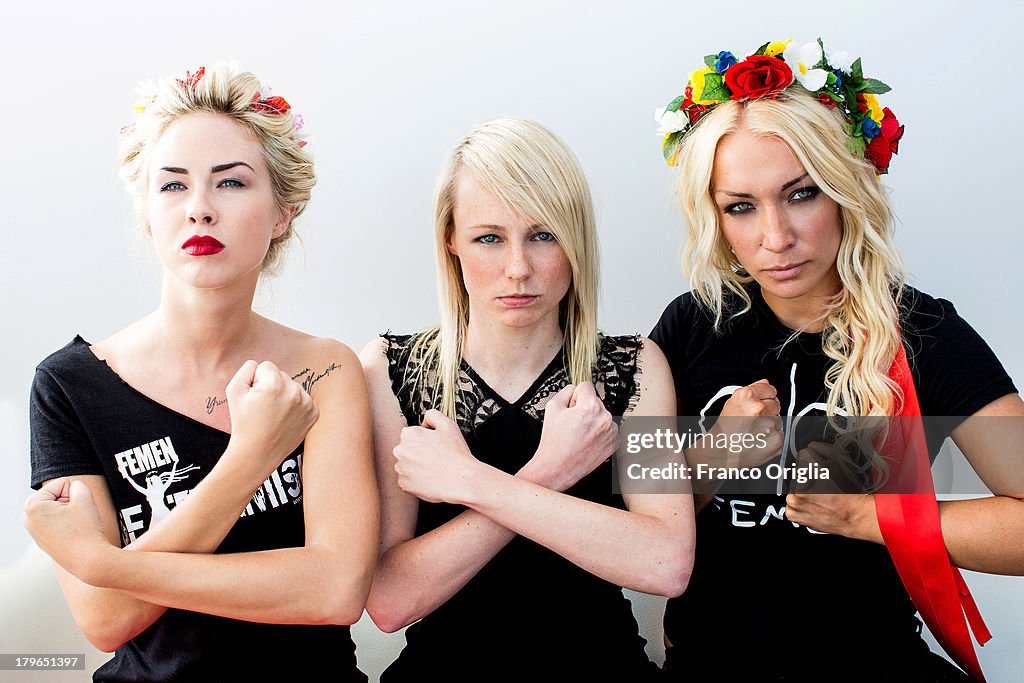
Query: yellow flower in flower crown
{"type": "Point", "coordinates": [873, 108]}
{"type": "Point", "coordinates": [697, 82]}
{"type": "Point", "coordinates": [777, 48]}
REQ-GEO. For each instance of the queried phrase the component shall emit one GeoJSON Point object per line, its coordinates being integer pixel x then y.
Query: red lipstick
{"type": "Point", "coordinates": [202, 245]}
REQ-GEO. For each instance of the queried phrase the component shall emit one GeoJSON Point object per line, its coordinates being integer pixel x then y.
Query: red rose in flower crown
{"type": "Point", "coordinates": [881, 148]}
{"type": "Point", "coordinates": [757, 76]}
{"type": "Point", "coordinates": [832, 78]}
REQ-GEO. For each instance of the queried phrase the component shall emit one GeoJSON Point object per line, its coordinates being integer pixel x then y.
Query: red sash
{"type": "Point", "coordinates": [911, 530]}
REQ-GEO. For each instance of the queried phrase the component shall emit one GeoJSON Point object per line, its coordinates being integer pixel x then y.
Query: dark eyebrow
{"type": "Point", "coordinates": [794, 181]}
{"type": "Point", "coordinates": [536, 227]}
{"type": "Point", "coordinates": [224, 167]}
{"type": "Point", "coordinates": [216, 169]}
{"type": "Point", "coordinates": [745, 195]}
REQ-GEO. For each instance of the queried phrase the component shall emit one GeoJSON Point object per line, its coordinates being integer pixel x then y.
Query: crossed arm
{"type": "Point", "coordinates": [324, 581]}
{"type": "Point", "coordinates": [647, 548]}
{"type": "Point", "coordinates": [981, 534]}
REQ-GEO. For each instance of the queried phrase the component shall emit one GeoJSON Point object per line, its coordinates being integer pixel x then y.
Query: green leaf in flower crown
{"type": "Point", "coordinates": [856, 146]}
{"type": "Point", "coordinates": [668, 148]}
{"type": "Point", "coordinates": [710, 60]}
{"type": "Point", "coordinates": [822, 63]}
{"type": "Point", "coordinates": [851, 96]}
{"type": "Point", "coordinates": [873, 86]}
{"type": "Point", "coordinates": [676, 103]}
{"type": "Point", "coordinates": [830, 79]}
{"type": "Point", "coordinates": [715, 88]}
{"type": "Point", "coordinates": [856, 70]}
{"type": "Point", "coordinates": [760, 50]}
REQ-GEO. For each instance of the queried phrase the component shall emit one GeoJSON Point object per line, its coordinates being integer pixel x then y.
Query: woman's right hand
{"type": "Point", "coordinates": [754, 410]}
{"type": "Point", "coordinates": [578, 435]}
{"type": "Point", "coordinates": [270, 415]}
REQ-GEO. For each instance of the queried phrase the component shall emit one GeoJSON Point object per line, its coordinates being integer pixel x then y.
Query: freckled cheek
{"type": "Point", "coordinates": [480, 270]}
{"type": "Point", "coordinates": [555, 271]}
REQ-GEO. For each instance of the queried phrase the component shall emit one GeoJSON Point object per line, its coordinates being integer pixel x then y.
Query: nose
{"type": "Point", "coordinates": [517, 262]}
{"type": "Point", "coordinates": [776, 233]}
{"type": "Point", "coordinates": [200, 209]}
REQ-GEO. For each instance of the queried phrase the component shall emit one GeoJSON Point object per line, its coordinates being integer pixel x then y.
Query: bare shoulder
{"type": "Point", "coordinates": [128, 346]}
{"type": "Point", "coordinates": [315, 362]}
{"type": "Point", "coordinates": [375, 354]}
{"type": "Point", "coordinates": [654, 381]}
{"type": "Point", "coordinates": [651, 360]}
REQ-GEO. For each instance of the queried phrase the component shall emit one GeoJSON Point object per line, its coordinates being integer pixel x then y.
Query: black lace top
{"type": "Point", "coordinates": [529, 612]}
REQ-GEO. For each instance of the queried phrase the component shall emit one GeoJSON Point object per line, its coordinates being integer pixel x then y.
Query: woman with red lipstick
{"type": "Point", "coordinates": [501, 535]}
{"type": "Point", "coordinates": [799, 306]}
{"type": "Point", "coordinates": [207, 526]}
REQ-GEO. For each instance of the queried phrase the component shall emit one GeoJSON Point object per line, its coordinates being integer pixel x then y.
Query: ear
{"type": "Point", "coordinates": [451, 245]}
{"type": "Point", "coordinates": [285, 219]}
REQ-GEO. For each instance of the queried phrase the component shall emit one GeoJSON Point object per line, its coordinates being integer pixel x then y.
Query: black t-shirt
{"type": "Point", "coordinates": [785, 597]}
{"type": "Point", "coordinates": [529, 614]}
{"type": "Point", "coordinates": [86, 420]}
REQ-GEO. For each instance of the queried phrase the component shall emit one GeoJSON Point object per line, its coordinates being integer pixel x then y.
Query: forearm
{"type": "Point", "coordinates": [984, 534]}
{"type": "Point", "coordinates": [634, 550]}
{"type": "Point", "coordinates": [417, 576]}
{"type": "Point", "coordinates": [199, 523]}
{"type": "Point", "coordinates": [257, 586]}
{"type": "Point", "coordinates": [109, 618]}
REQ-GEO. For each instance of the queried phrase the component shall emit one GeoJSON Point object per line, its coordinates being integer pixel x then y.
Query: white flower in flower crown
{"type": "Point", "coordinates": [840, 59]}
{"type": "Point", "coordinates": [671, 121]}
{"type": "Point", "coordinates": [802, 61]}
{"type": "Point", "coordinates": [147, 91]}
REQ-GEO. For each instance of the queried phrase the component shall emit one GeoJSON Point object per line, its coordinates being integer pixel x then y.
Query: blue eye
{"type": "Point", "coordinates": [488, 239]}
{"type": "Point", "coordinates": [739, 208]}
{"type": "Point", "coordinates": [231, 182]}
{"type": "Point", "coordinates": [805, 193]}
{"type": "Point", "coordinates": [173, 186]}
{"type": "Point", "coordinates": [543, 237]}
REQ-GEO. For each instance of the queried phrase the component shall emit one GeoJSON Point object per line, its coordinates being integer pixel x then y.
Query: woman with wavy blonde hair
{"type": "Point", "coordinates": [501, 533]}
{"type": "Point", "coordinates": [799, 307]}
{"type": "Point", "coordinates": [207, 525]}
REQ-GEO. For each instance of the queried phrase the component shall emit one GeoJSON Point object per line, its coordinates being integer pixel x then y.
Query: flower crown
{"type": "Point", "coordinates": [832, 77]}
{"type": "Point", "coordinates": [262, 100]}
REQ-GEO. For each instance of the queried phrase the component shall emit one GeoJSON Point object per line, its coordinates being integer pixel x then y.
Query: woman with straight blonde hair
{"type": "Point", "coordinates": [799, 307]}
{"type": "Point", "coordinates": [207, 525]}
{"type": "Point", "coordinates": [501, 533]}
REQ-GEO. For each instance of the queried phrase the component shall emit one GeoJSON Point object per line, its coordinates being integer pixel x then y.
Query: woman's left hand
{"type": "Point", "coordinates": [846, 514]}
{"type": "Point", "coordinates": [63, 519]}
{"type": "Point", "coordinates": [832, 508]}
{"type": "Point", "coordinates": [433, 461]}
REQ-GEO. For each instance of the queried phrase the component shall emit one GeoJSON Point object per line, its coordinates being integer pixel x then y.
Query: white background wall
{"type": "Point", "coordinates": [387, 87]}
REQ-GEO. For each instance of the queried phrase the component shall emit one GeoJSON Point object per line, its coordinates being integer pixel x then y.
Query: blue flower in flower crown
{"type": "Point", "coordinates": [869, 128]}
{"type": "Point", "coordinates": [839, 79]}
{"type": "Point", "coordinates": [725, 60]}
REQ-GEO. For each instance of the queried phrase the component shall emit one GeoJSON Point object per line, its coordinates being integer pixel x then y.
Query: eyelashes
{"type": "Point", "coordinates": [491, 238]}
{"type": "Point", "coordinates": [178, 186]}
{"type": "Point", "coordinates": [806, 193]}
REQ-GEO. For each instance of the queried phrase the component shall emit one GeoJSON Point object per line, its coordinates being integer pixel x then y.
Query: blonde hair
{"type": "Point", "coordinates": [529, 168]}
{"type": "Point", "coordinates": [862, 321]}
{"type": "Point", "coordinates": [226, 91]}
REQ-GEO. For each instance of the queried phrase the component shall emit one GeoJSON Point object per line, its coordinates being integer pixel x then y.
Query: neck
{"type": "Point", "coordinates": [804, 315]}
{"type": "Point", "coordinates": [498, 351]}
{"type": "Point", "coordinates": [206, 328]}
